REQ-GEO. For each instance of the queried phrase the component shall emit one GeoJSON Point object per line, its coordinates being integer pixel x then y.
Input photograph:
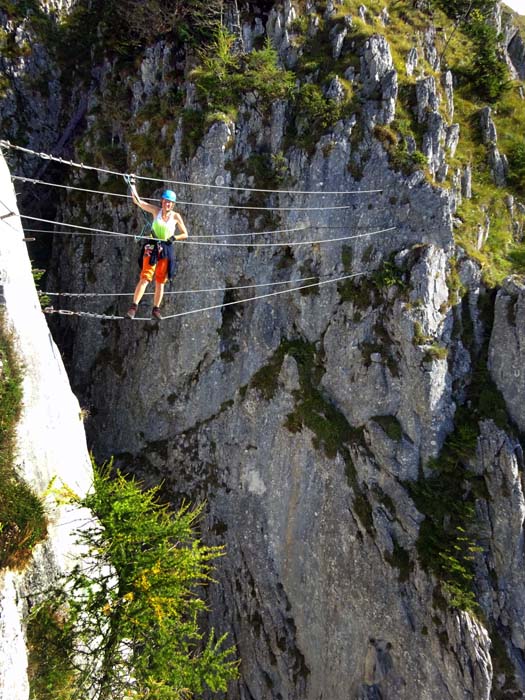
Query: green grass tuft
{"type": "Point", "coordinates": [22, 517]}
{"type": "Point", "coordinates": [49, 636]}
{"type": "Point", "coordinates": [391, 426]}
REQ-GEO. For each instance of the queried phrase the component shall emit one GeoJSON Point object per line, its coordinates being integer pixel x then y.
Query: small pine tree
{"type": "Point", "coordinates": [488, 70]}
{"type": "Point", "coordinates": [225, 74]}
{"type": "Point", "coordinates": [517, 166]}
{"type": "Point", "coordinates": [125, 621]}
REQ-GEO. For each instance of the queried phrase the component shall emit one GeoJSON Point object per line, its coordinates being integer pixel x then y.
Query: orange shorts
{"type": "Point", "coordinates": [160, 270]}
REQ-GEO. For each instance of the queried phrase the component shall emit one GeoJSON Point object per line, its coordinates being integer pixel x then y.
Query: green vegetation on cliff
{"type": "Point", "coordinates": [225, 76]}
{"type": "Point", "coordinates": [448, 539]}
{"type": "Point", "coordinates": [466, 43]}
{"type": "Point", "coordinates": [487, 71]}
{"type": "Point", "coordinates": [126, 620]}
{"type": "Point", "coordinates": [22, 518]}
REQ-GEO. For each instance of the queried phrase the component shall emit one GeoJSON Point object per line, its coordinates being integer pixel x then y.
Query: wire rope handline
{"type": "Point", "coordinates": [213, 205]}
{"type": "Point", "coordinates": [68, 312]}
{"type": "Point", "coordinates": [86, 230]}
{"type": "Point", "coordinates": [177, 291]}
{"type": "Point", "coordinates": [213, 235]}
{"type": "Point", "coordinates": [47, 156]}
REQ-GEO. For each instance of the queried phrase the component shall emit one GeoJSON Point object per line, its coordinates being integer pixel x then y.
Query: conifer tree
{"type": "Point", "coordinates": [125, 622]}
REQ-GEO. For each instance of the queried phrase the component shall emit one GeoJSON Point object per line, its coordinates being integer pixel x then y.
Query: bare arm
{"type": "Point", "coordinates": [182, 226]}
{"type": "Point", "coordinates": [152, 209]}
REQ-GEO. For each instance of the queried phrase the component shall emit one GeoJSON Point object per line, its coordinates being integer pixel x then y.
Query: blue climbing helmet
{"type": "Point", "coordinates": [169, 195]}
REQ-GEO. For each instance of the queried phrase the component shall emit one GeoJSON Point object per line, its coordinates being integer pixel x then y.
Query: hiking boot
{"type": "Point", "coordinates": [132, 310]}
{"type": "Point", "coordinates": [155, 314]}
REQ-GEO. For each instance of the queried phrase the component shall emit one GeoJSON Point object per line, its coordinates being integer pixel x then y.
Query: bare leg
{"type": "Point", "coordinates": [159, 293]}
{"type": "Point", "coordinates": [139, 290]}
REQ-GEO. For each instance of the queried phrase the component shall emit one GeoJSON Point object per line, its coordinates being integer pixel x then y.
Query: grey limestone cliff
{"type": "Point", "coordinates": [50, 445]}
{"type": "Point", "coordinates": [299, 419]}
{"type": "Point", "coordinates": [318, 425]}
{"type": "Point", "coordinates": [507, 367]}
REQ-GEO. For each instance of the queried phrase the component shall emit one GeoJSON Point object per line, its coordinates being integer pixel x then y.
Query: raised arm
{"type": "Point", "coordinates": [151, 208]}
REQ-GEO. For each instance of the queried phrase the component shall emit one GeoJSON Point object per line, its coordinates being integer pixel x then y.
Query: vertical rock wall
{"type": "Point", "coordinates": [299, 419]}
{"type": "Point", "coordinates": [303, 420]}
{"type": "Point", "coordinates": [51, 443]}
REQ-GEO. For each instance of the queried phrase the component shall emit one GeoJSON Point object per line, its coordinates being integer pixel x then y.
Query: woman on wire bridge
{"type": "Point", "coordinates": [158, 259]}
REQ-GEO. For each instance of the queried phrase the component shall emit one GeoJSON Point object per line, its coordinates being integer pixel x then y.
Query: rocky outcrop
{"type": "Point", "coordinates": [384, 17]}
{"type": "Point", "coordinates": [279, 28]}
{"type": "Point", "coordinates": [448, 86]}
{"type": "Point", "coordinates": [411, 61]}
{"type": "Point", "coordinates": [466, 182]}
{"type": "Point", "coordinates": [498, 163]}
{"type": "Point", "coordinates": [506, 368]}
{"type": "Point", "coordinates": [337, 37]}
{"type": "Point", "coordinates": [513, 44]}
{"type": "Point", "coordinates": [489, 134]}
{"type": "Point", "coordinates": [22, 96]}
{"type": "Point", "coordinates": [379, 79]}
{"type": "Point", "coordinates": [517, 214]}
{"type": "Point", "coordinates": [430, 47]}
{"type": "Point", "coordinates": [452, 139]}
{"type": "Point", "coordinates": [427, 97]}
{"type": "Point", "coordinates": [439, 138]}
{"type": "Point", "coordinates": [51, 444]}
{"type": "Point", "coordinates": [335, 90]}
{"type": "Point", "coordinates": [500, 461]}
{"type": "Point", "coordinates": [516, 53]}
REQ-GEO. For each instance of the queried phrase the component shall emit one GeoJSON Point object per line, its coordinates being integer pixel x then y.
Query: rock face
{"type": "Point", "coordinates": [507, 369]}
{"type": "Point", "coordinates": [448, 86]}
{"type": "Point", "coordinates": [337, 36]}
{"type": "Point", "coordinates": [500, 460]}
{"type": "Point", "coordinates": [411, 61]}
{"type": "Point", "coordinates": [516, 51]}
{"type": "Point", "coordinates": [51, 444]}
{"type": "Point", "coordinates": [466, 182]}
{"type": "Point", "coordinates": [439, 139]}
{"type": "Point", "coordinates": [513, 44]}
{"type": "Point", "coordinates": [20, 91]}
{"type": "Point", "coordinates": [279, 28]}
{"type": "Point", "coordinates": [488, 128]}
{"type": "Point", "coordinates": [306, 419]}
{"type": "Point", "coordinates": [299, 419]}
{"type": "Point", "coordinates": [498, 163]}
{"type": "Point", "coordinates": [379, 79]}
